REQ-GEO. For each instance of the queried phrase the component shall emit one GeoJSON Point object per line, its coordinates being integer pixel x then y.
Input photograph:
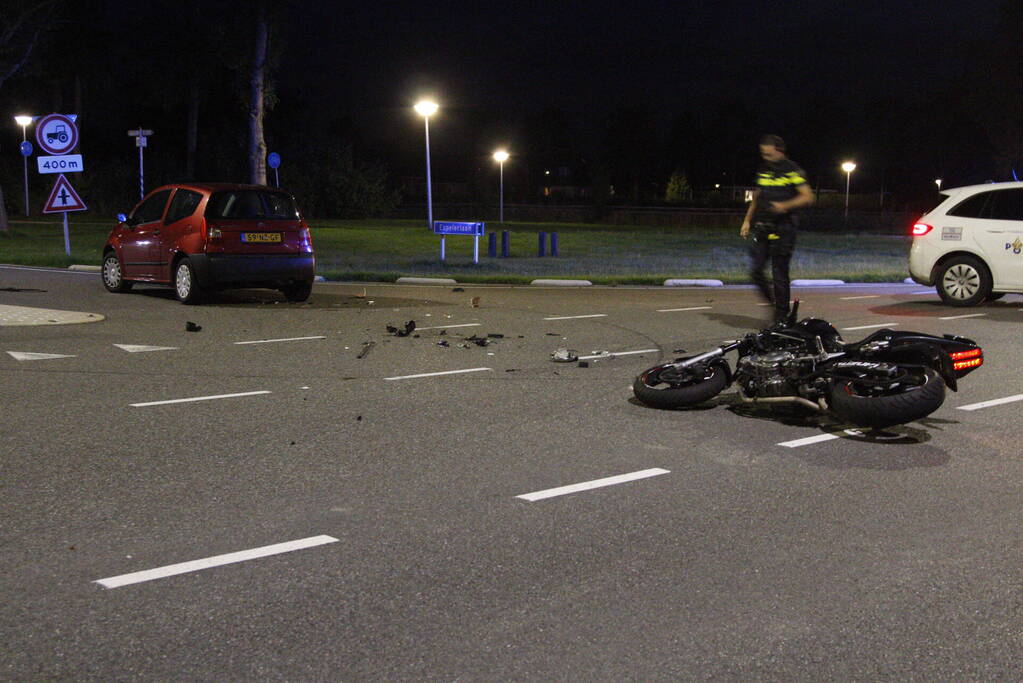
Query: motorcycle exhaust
{"type": "Point", "coordinates": [819, 406]}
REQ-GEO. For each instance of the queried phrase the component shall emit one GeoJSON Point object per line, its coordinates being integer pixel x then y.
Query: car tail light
{"type": "Point", "coordinates": [964, 360]}
{"type": "Point", "coordinates": [921, 229]}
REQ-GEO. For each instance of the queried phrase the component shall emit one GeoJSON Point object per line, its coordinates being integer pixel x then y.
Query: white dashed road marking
{"type": "Point", "coordinates": [196, 398]}
{"type": "Point", "coordinates": [271, 341]}
{"type": "Point", "coordinates": [868, 327]}
{"type": "Point", "coordinates": [968, 315]}
{"type": "Point", "coordinates": [215, 561]}
{"type": "Point", "coordinates": [576, 317]}
{"type": "Point", "coordinates": [993, 402]}
{"type": "Point", "coordinates": [437, 374]}
{"type": "Point", "coordinates": [865, 296]}
{"type": "Point", "coordinates": [809, 440]}
{"type": "Point", "coordinates": [595, 484]}
{"type": "Point", "coordinates": [612, 354]}
{"type": "Point", "coordinates": [691, 308]}
{"type": "Point", "coordinates": [444, 327]}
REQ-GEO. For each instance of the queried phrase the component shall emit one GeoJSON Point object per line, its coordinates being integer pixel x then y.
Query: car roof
{"type": "Point", "coordinates": [985, 186]}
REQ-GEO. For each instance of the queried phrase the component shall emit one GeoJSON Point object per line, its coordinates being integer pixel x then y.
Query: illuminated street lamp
{"type": "Point", "coordinates": [24, 121]}
{"type": "Point", "coordinates": [937, 181]}
{"type": "Point", "coordinates": [848, 167]}
{"type": "Point", "coordinates": [501, 156]}
{"type": "Point", "coordinates": [426, 109]}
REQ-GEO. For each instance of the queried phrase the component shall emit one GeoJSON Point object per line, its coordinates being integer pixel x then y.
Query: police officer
{"type": "Point", "coordinates": [781, 191]}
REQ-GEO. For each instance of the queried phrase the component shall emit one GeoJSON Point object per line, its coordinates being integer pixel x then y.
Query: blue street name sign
{"type": "Point", "coordinates": [453, 228]}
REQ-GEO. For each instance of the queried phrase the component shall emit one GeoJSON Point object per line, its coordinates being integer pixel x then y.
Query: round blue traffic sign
{"type": "Point", "coordinates": [26, 149]}
{"type": "Point", "coordinates": [273, 160]}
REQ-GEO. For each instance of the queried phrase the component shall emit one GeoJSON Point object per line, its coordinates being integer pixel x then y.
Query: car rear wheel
{"type": "Point", "coordinates": [113, 276]}
{"type": "Point", "coordinates": [297, 292]}
{"type": "Point", "coordinates": [186, 286]}
{"type": "Point", "coordinates": [963, 281]}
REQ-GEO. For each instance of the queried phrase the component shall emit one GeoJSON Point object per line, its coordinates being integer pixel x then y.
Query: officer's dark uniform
{"type": "Point", "coordinates": [774, 234]}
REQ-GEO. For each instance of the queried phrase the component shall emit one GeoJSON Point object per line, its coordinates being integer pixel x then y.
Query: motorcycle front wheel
{"type": "Point", "coordinates": [869, 405]}
{"type": "Point", "coordinates": [665, 386]}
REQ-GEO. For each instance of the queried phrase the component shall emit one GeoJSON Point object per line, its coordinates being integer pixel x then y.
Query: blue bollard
{"type": "Point", "coordinates": [554, 244]}
{"type": "Point", "coordinates": [541, 247]}
{"type": "Point", "coordinates": [505, 244]}
{"type": "Point", "coordinates": [492, 245]}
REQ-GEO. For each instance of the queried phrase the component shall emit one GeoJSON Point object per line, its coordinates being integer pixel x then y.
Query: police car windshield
{"type": "Point", "coordinates": [251, 205]}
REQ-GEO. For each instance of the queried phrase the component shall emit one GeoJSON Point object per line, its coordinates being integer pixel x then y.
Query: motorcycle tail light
{"type": "Point", "coordinates": [965, 360]}
{"type": "Point", "coordinates": [921, 229]}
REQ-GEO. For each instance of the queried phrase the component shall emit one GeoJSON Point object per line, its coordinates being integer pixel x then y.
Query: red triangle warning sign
{"type": "Point", "coordinates": [63, 198]}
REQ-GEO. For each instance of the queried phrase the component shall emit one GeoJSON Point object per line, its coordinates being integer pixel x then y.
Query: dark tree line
{"type": "Point", "coordinates": [214, 80]}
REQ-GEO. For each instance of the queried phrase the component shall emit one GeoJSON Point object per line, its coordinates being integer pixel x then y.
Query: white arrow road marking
{"type": "Point", "coordinates": [993, 402]}
{"type": "Point", "coordinates": [595, 484]}
{"type": "Point", "coordinates": [26, 355]}
{"type": "Point", "coordinates": [196, 398]}
{"type": "Point", "coordinates": [576, 317]}
{"type": "Point", "coordinates": [436, 374]}
{"type": "Point", "coordinates": [215, 561]}
{"type": "Point", "coordinates": [135, 348]}
{"type": "Point", "coordinates": [270, 341]}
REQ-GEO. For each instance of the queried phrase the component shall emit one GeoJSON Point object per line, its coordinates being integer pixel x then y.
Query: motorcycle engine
{"type": "Point", "coordinates": [768, 374]}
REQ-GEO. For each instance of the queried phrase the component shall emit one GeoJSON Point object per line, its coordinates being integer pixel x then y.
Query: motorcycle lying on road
{"type": "Point", "coordinates": [887, 379]}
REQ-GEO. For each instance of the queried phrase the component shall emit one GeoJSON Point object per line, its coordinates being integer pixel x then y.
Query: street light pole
{"type": "Point", "coordinates": [23, 121]}
{"type": "Point", "coordinates": [848, 167]}
{"type": "Point", "coordinates": [426, 109]}
{"type": "Point", "coordinates": [501, 156]}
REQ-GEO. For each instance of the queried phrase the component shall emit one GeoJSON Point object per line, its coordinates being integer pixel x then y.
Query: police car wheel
{"type": "Point", "coordinates": [963, 281]}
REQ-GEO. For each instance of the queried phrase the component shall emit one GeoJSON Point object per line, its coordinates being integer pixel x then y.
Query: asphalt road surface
{"type": "Point", "coordinates": [316, 515]}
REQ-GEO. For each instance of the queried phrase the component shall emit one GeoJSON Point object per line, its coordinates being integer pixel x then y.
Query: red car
{"type": "Point", "coordinates": [198, 237]}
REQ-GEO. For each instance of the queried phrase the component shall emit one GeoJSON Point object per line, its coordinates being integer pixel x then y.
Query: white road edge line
{"type": "Point", "coordinates": [993, 402]}
{"type": "Point", "coordinates": [595, 484]}
{"type": "Point", "coordinates": [956, 317]}
{"type": "Point", "coordinates": [867, 327]}
{"type": "Point", "coordinates": [444, 327]}
{"type": "Point", "coordinates": [865, 296]}
{"type": "Point", "coordinates": [215, 561]}
{"type": "Point", "coordinates": [612, 354]}
{"type": "Point", "coordinates": [270, 341]}
{"type": "Point", "coordinates": [196, 398]}
{"type": "Point", "coordinates": [435, 374]}
{"type": "Point", "coordinates": [691, 308]}
{"type": "Point", "coordinates": [576, 317]}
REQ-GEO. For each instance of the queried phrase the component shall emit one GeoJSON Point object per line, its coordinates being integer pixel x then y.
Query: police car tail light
{"type": "Point", "coordinates": [921, 229]}
{"type": "Point", "coordinates": [964, 360]}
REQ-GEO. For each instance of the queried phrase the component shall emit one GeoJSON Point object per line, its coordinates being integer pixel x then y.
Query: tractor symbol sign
{"type": "Point", "coordinates": [57, 134]}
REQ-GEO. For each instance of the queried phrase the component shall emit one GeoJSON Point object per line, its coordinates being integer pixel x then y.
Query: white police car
{"type": "Point", "coordinates": [971, 246]}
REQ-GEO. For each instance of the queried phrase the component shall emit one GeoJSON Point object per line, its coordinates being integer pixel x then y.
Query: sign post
{"type": "Point", "coordinates": [63, 199]}
{"type": "Point", "coordinates": [475, 230]}
{"type": "Point", "coordinates": [140, 134]}
{"type": "Point", "coordinates": [273, 160]}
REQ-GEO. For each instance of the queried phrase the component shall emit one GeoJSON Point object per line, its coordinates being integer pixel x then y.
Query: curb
{"type": "Point", "coordinates": [818, 283]}
{"type": "Point", "coordinates": [85, 269]}
{"type": "Point", "coordinates": [561, 283]}
{"type": "Point", "coordinates": [425, 281]}
{"type": "Point", "coordinates": [693, 283]}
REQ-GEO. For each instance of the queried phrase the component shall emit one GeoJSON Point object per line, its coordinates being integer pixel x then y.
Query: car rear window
{"type": "Point", "coordinates": [977, 206]}
{"type": "Point", "coordinates": [251, 205]}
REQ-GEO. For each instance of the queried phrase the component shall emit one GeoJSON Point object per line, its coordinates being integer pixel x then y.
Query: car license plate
{"type": "Point", "coordinates": [261, 237]}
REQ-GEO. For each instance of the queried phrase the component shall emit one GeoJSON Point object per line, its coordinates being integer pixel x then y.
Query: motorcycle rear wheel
{"type": "Point", "coordinates": [858, 405]}
{"type": "Point", "coordinates": [662, 386]}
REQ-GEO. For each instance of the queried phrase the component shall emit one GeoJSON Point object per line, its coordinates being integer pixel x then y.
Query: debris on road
{"type": "Point", "coordinates": [410, 326]}
{"type": "Point", "coordinates": [478, 341]}
{"type": "Point", "coordinates": [494, 335]}
{"type": "Point", "coordinates": [366, 346]}
{"type": "Point", "coordinates": [458, 289]}
{"type": "Point", "coordinates": [475, 302]}
{"type": "Point", "coordinates": [192, 327]}
{"type": "Point", "coordinates": [443, 342]}
{"type": "Point", "coordinates": [584, 364]}
{"type": "Point", "coordinates": [564, 355]}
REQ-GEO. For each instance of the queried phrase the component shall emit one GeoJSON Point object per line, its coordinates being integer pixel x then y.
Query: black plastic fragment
{"type": "Point", "coordinates": [192, 327]}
